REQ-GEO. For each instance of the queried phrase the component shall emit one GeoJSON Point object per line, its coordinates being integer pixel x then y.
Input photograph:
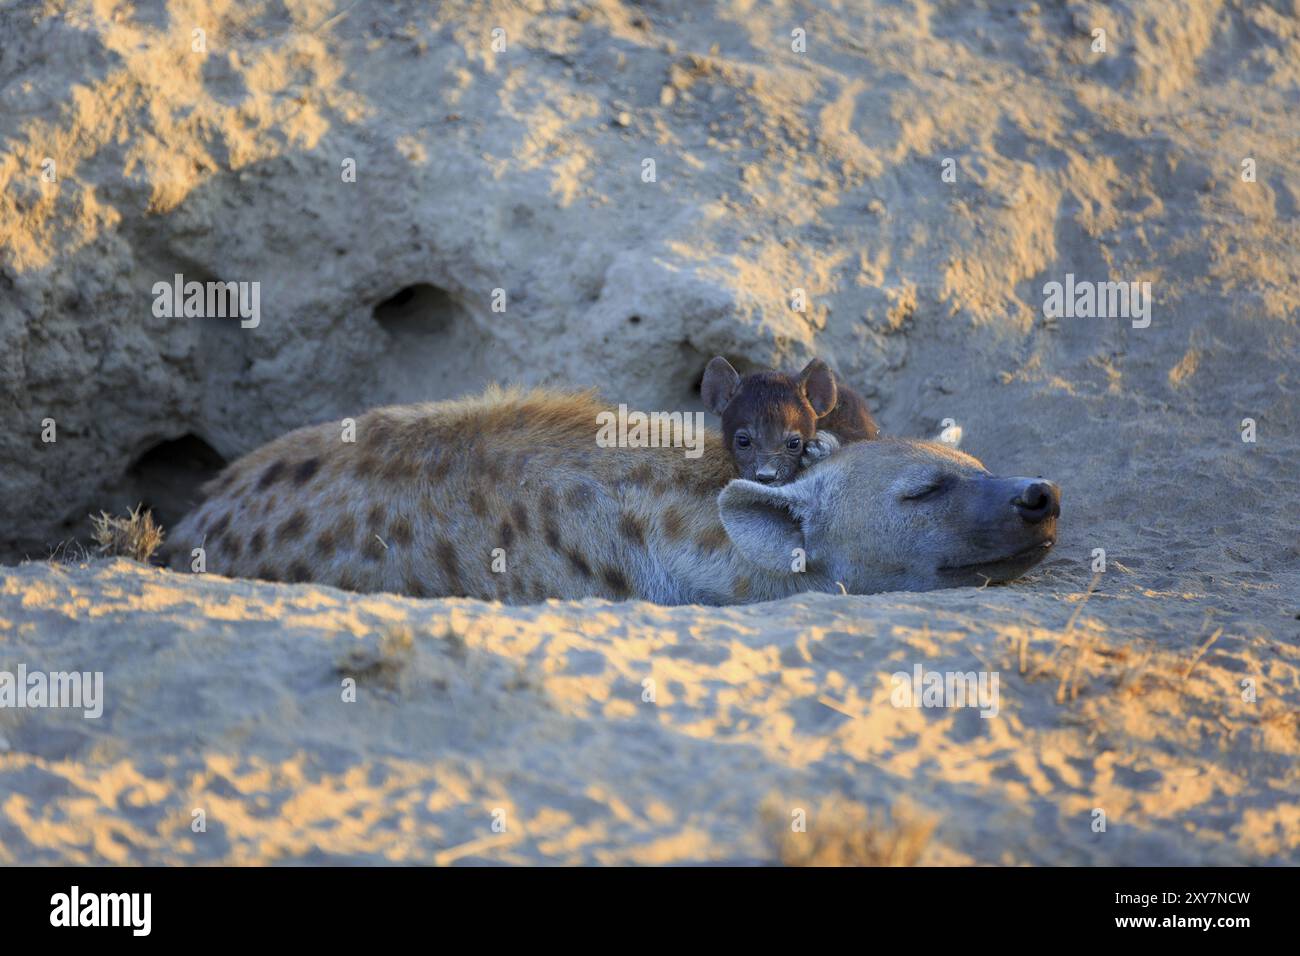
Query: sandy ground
{"type": "Point", "coordinates": [1166, 696]}
{"type": "Point", "coordinates": [225, 696]}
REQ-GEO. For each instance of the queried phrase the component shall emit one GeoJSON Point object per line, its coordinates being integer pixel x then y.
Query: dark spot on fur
{"type": "Point", "coordinates": [641, 474]}
{"type": "Point", "coordinates": [579, 496]}
{"type": "Point", "coordinates": [219, 526]}
{"type": "Point", "coordinates": [507, 533]}
{"type": "Point", "coordinates": [401, 468]}
{"type": "Point", "coordinates": [372, 549]}
{"type": "Point", "coordinates": [546, 501]}
{"type": "Point", "coordinates": [477, 503]}
{"type": "Point", "coordinates": [367, 466]}
{"type": "Point", "coordinates": [441, 465]}
{"type": "Point", "coordinates": [520, 514]}
{"type": "Point", "coordinates": [740, 588]}
{"type": "Point", "coordinates": [376, 517]}
{"type": "Point", "coordinates": [299, 573]}
{"type": "Point", "coordinates": [257, 543]}
{"type": "Point", "coordinates": [632, 528]}
{"type": "Point", "coordinates": [325, 544]}
{"type": "Point", "coordinates": [552, 535]}
{"type": "Point", "coordinates": [304, 472]}
{"type": "Point", "coordinates": [267, 573]}
{"type": "Point", "coordinates": [450, 567]}
{"type": "Point", "coordinates": [270, 476]}
{"type": "Point", "coordinates": [713, 538]}
{"type": "Point", "coordinates": [701, 482]}
{"type": "Point", "coordinates": [673, 523]}
{"type": "Point", "coordinates": [578, 563]}
{"type": "Point", "coordinates": [399, 532]}
{"type": "Point", "coordinates": [414, 586]}
{"type": "Point", "coordinates": [484, 463]}
{"type": "Point", "coordinates": [616, 582]}
{"type": "Point", "coordinates": [347, 582]}
{"type": "Point", "coordinates": [412, 435]}
{"type": "Point", "coordinates": [345, 531]}
{"type": "Point", "coordinates": [292, 527]}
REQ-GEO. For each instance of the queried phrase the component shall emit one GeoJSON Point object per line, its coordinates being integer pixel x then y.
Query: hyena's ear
{"type": "Point", "coordinates": [765, 522]}
{"type": "Point", "coordinates": [719, 384]}
{"type": "Point", "coordinates": [818, 384]}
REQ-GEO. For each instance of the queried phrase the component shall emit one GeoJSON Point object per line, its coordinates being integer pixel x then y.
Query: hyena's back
{"type": "Point", "coordinates": [419, 502]}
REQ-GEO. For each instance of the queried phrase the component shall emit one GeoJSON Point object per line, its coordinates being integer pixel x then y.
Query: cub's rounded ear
{"type": "Point", "coordinates": [719, 384]}
{"type": "Point", "coordinates": [818, 384]}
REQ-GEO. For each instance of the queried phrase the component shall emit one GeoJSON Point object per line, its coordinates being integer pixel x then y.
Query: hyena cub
{"type": "Point", "coordinates": [774, 423]}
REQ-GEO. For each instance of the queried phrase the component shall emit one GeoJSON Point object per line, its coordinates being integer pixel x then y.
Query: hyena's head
{"type": "Point", "coordinates": [896, 514]}
{"type": "Point", "coordinates": [768, 417]}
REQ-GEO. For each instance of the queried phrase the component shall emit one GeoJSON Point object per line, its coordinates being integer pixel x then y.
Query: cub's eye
{"type": "Point", "coordinates": [794, 444]}
{"type": "Point", "coordinates": [742, 440]}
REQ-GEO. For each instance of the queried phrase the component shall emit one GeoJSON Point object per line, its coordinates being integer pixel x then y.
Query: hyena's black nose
{"type": "Point", "coordinates": [1038, 501]}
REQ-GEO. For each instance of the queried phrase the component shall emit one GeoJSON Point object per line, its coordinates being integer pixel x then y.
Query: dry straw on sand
{"type": "Point", "coordinates": [840, 832]}
{"type": "Point", "coordinates": [134, 536]}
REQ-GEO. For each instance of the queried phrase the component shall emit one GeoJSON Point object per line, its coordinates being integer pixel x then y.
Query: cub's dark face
{"type": "Point", "coordinates": [768, 417]}
{"type": "Point", "coordinates": [767, 454]}
{"type": "Point", "coordinates": [766, 435]}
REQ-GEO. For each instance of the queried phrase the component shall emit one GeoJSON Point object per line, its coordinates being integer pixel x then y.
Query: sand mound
{"type": "Point", "coordinates": [228, 697]}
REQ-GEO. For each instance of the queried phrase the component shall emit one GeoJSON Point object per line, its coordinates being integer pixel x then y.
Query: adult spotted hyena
{"type": "Point", "coordinates": [507, 496]}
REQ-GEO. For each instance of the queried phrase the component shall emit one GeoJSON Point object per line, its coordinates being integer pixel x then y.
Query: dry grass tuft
{"type": "Point", "coordinates": [134, 536]}
{"type": "Point", "coordinates": [68, 551]}
{"type": "Point", "coordinates": [843, 833]}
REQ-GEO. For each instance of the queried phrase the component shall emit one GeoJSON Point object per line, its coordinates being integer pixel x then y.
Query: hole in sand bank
{"type": "Point", "coordinates": [166, 478]}
{"type": "Point", "coordinates": [418, 310]}
{"type": "Point", "coordinates": [433, 348]}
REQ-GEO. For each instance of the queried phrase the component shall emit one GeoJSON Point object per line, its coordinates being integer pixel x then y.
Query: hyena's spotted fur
{"type": "Point", "coordinates": [419, 501]}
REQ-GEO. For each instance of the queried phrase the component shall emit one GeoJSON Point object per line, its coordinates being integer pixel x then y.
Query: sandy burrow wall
{"type": "Point", "coordinates": [605, 195]}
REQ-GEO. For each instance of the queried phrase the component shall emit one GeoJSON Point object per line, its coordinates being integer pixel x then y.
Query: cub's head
{"type": "Point", "coordinates": [768, 417]}
{"type": "Point", "coordinates": [896, 514]}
